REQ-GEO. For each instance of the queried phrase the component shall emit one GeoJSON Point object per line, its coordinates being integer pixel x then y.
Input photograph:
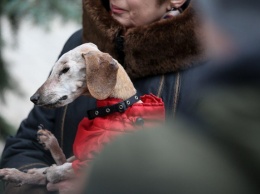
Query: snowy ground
{"type": "Point", "coordinates": [29, 63]}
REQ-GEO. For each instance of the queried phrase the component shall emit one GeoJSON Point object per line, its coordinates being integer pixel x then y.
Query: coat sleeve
{"type": "Point", "coordinates": [22, 151]}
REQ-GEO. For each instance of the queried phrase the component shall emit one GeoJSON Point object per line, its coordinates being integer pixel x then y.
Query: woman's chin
{"type": "Point", "coordinates": [122, 20]}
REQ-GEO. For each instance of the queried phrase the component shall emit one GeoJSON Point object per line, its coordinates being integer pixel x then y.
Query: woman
{"type": "Point", "coordinates": [153, 39]}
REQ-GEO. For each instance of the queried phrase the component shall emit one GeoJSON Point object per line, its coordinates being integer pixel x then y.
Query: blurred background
{"type": "Point", "coordinates": [32, 34]}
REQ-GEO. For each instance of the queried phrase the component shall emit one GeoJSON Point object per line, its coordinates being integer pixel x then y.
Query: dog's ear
{"type": "Point", "coordinates": [101, 74]}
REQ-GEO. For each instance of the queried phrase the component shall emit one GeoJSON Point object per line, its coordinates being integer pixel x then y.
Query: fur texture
{"type": "Point", "coordinates": [165, 46]}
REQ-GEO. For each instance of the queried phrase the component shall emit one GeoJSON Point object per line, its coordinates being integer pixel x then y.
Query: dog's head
{"type": "Point", "coordinates": [82, 71]}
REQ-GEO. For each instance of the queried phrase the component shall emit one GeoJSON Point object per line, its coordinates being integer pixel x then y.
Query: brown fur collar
{"type": "Point", "coordinates": [162, 47]}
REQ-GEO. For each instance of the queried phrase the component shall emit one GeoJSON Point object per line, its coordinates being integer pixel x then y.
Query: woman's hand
{"type": "Point", "coordinates": [73, 185]}
{"type": "Point", "coordinates": [63, 179]}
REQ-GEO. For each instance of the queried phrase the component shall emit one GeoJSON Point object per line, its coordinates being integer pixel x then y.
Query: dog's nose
{"type": "Point", "coordinates": [35, 98]}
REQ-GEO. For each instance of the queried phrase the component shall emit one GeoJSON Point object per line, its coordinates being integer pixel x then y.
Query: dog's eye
{"type": "Point", "coordinates": [65, 70]}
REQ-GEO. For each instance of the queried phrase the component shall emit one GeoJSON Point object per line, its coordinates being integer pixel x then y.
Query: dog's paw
{"type": "Point", "coordinates": [12, 175]}
{"type": "Point", "coordinates": [16, 176]}
{"type": "Point", "coordinates": [46, 138]}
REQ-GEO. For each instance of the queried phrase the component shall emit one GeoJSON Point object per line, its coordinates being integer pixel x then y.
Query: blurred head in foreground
{"type": "Point", "coordinates": [215, 151]}
{"type": "Point", "coordinates": [230, 25]}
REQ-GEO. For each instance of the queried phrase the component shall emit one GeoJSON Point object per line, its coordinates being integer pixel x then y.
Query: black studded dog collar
{"type": "Point", "coordinates": [106, 110]}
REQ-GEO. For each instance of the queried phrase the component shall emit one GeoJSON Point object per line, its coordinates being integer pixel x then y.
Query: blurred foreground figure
{"type": "Point", "coordinates": [217, 153]}
{"type": "Point", "coordinates": [230, 26]}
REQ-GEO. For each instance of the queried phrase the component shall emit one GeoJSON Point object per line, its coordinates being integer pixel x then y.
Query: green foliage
{"type": "Point", "coordinates": [5, 81]}
{"type": "Point", "coordinates": [39, 12]}
{"type": "Point", "coordinates": [5, 129]}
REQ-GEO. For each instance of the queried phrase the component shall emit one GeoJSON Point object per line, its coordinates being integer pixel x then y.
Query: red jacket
{"type": "Point", "coordinates": [93, 134]}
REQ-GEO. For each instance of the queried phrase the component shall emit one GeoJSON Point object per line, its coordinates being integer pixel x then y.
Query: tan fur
{"type": "Point", "coordinates": [106, 77]}
{"type": "Point", "coordinates": [124, 87]}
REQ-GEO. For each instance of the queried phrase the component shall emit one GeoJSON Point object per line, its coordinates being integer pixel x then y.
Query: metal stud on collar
{"type": "Point", "coordinates": [119, 107]}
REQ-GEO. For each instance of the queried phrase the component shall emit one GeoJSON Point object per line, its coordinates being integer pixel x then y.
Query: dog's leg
{"type": "Point", "coordinates": [16, 176]}
{"type": "Point", "coordinates": [49, 142]}
{"type": "Point", "coordinates": [71, 159]}
{"type": "Point", "coordinates": [56, 173]}
{"type": "Point", "coordinates": [37, 170]}
{"type": "Point", "coordinates": [38, 176]}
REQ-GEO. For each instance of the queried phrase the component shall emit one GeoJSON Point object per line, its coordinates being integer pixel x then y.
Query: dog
{"type": "Point", "coordinates": [84, 70]}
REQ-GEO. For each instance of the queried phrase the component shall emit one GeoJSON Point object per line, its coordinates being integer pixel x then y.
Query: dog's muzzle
{"type": "Point", "coordinates": [35, 98]}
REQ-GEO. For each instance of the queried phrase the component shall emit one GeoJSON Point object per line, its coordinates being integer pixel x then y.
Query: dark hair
{"type": "Point", "coordinates": [105, 4]}
{"type": "Point", "coordinates": [160, 2]}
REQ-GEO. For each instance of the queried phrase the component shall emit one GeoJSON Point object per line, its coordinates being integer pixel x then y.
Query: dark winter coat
{"type": "Point", "coordinates": [161, 58]}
